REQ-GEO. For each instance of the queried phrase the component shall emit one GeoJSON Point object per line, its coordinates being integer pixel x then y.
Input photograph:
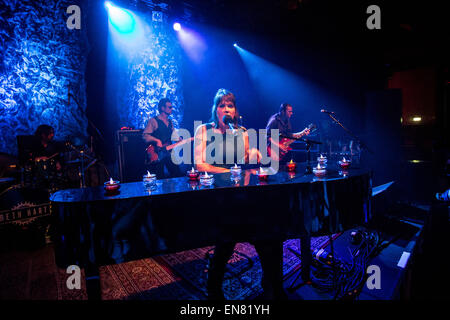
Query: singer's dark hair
{"type": "Point", "coordinates": [283, 107]}
{"type": "Point", "coordinates": [162, 103]}
{"type": "Point", "coordinates": [223, 95]}
{"type": "Point", "coordinates": [44, 129]}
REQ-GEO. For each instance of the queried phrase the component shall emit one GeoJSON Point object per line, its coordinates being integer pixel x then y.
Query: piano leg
{"type": "Point", "coordinates": [306, 257]}
{"type": "Point", "coordinates": [93, 283]}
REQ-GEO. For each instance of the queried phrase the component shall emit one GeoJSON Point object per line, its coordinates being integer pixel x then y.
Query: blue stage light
{"type": "Point", "coordinates": [176, 26]}
{"type": "Point", "coordinates": [235, 45]}
{"type": "Point", "coordinates": [121, 19]}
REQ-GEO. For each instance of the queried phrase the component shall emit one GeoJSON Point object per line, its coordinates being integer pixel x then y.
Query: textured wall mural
{"type": "Point", "coordinates": [40, 57]}
{"type": "Point", "coordinates": [153, 74]}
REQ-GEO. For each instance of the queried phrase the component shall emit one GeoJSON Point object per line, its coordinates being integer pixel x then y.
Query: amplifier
{"type": "Point", "coordinates": [130, 155]}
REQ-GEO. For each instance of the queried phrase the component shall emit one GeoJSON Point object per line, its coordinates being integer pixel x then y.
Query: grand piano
{"type": "Point", "coordinates": [93, 228]}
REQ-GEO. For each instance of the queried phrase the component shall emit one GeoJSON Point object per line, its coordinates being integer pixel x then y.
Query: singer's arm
{"type": "Point", "coordinates": [200, 152]}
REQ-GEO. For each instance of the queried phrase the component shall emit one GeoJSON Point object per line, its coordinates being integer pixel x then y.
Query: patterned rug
{"type": "Point", "coordinates": [182, 275]}
{"type": "Point", "coordinates": [243, 276]}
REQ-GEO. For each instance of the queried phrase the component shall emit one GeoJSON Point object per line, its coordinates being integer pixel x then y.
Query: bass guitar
{"type": "Point", "coordinates": [155, 153]}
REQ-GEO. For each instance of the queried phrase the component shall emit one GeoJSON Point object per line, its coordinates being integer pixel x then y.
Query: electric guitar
{"type": "Point", "coordinates": [155, 153]}
{"type": "Point", "coordinates": [286, 142]}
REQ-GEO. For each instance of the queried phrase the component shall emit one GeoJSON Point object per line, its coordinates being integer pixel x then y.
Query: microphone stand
{"type": "Point", "coordinates": [309, 143]}
{"type": "Point", "coordinates": [349, 132]}
{"type": "Point", "coordinates": [81, 152]}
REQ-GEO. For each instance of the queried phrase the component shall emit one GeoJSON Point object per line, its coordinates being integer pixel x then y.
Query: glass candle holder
{"type": "Point", "coordinates": [149, 180]}
{"type": "Point", "coordinates": [193, 174]}
{"type": "Point", "coordinates": [319, 171]}
{"type": "Point", "coordinates": [236, 170]}
{"type": "Point", "coordinates": [262, 174]}
{"type": "Point", "coordinates": [322, 160]}
{"type": "Point", "coordinates": [206, 179]}
{"type": "Point", "coordinates": [291, 166]}
{"type": "Point", "coordinates": [112, 186]}
{"type": "Point", "coordinates": [344, 163]}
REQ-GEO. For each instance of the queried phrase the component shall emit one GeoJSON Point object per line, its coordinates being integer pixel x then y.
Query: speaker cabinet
{"type": "Point", "coordinates": [130, 155]}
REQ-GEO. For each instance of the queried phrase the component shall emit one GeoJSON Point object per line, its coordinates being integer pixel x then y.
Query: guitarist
{"type": "Point", "coordinates": [281, 121]}
{"type": "Point", "coordinates": [158, 132]}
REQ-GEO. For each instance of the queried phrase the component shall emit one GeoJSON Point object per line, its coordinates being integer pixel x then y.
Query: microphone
{"type": "Point", "coordinates": [326, 111]}
{"type": "Point", "coordinates": [228, 120]}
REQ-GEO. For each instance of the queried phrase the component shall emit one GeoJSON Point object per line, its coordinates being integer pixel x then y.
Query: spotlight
{"type": "Point", "coordinates": [120, 18]}
{"type": "Point", "coordinates": [176, 26]}
{"type": "Point", "coordinates": [235, 45]}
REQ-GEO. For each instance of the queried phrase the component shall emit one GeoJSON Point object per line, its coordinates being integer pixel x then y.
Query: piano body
{"type": "Point", "coordinates": [92, 228]}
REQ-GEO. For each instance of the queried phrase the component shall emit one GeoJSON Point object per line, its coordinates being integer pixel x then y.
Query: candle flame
{"type": "Point", "coordinates": [111, 181]}
{"type": "Point", "coordinates": [148, 174]}
{"type": "Point", "coordinates": [318, 166]}
{"type": "Point", "coordinates": [206, 174]}
{"type": "Point", "coordinates": [321, 156]}
{"type": "Point", "coordinates": [291, 161]}
{"type": "Point", "coordinates": [192, 170]}
{"type": "Point", "coordinates": [344, 160]}
{"type": "Point", "coordinates": [235, 165]}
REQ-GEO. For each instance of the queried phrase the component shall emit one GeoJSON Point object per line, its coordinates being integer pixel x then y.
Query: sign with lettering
{"type": "Point", "coordinates": [24, 213]}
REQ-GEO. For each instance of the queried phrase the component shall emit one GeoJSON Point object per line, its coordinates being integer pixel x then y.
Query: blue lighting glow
{"type": "Point", "coordinates": [176, 26]}
{"type": "Point", "coordinates": [120, 18]}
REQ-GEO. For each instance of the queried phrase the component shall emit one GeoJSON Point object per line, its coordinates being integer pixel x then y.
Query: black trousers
{"type": "Point", "coordinates": [270, 253]}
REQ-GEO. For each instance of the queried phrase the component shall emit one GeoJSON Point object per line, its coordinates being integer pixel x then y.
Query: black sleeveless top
{"type": "Point", "coordinates": [163, 132]}
{"type": "Point", "coordinates": [230, 144]}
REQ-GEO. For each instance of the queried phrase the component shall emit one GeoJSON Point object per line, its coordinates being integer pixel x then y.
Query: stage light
{"type": "Point", "coordinates": [235, 45]}
{"type": "Point", "coordinates": [121, 19]}
{"type": "Point", "coordinates": [176, 26]}
{"type": "Point", "coordinates": [417, 119]}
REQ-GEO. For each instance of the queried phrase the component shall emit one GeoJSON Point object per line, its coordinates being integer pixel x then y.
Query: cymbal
{"type": "Point", "coordinates": [8, 164]}
{"type": "Point", "coordinates": [73, 161]}
{"type": "Point", "coordinates": [7, 179]}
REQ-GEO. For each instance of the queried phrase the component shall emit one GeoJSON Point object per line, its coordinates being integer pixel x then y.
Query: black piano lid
{"type": "Point", "coordinates": [248, 179]}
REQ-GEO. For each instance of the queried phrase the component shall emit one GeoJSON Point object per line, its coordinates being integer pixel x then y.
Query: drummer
{"type": "Point", "coordinates": [45, 148]}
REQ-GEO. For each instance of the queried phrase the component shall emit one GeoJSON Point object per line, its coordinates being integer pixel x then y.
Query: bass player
{"type": "Point", "coordinates": [158, 134]}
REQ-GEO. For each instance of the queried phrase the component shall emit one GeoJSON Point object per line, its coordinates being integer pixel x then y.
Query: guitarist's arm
{"type": "Point", "coordinates": [300, 134]}
{"type": "Point", "coordinates": [152, 125]}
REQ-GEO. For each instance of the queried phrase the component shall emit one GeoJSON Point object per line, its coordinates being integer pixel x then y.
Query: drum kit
{"type": "Point", "coordinates": [74, 157]}
{"type": "Point", "coordinates": [26, 183]}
